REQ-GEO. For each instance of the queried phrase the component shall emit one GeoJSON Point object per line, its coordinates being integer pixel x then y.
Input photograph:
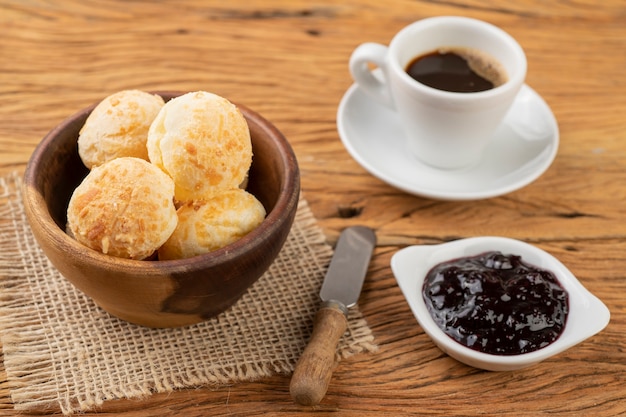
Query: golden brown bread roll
{"type": "Point", "coordinates": [123, 208]}
{"type": "Point", "coordinates": [202, 141]}
{"type": "Point", "coordinates": [117, 127]}
{"type": "Point", "coordinates": [207, 225]}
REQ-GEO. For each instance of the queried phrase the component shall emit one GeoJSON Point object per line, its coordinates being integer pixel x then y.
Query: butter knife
{"type": "Point", "coordinates": [340, 291]}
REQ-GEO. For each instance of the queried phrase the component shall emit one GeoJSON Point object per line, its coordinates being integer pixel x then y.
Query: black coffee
{"type": "Point", "coordinates": [458, 70]}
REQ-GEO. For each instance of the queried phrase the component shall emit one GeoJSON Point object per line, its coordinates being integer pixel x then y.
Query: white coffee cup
{"type": "Point", "coordinates": [444, 129]}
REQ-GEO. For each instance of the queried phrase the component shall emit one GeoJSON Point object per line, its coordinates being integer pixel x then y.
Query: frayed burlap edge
{"type": "Point", "coordinates": [48, 372]}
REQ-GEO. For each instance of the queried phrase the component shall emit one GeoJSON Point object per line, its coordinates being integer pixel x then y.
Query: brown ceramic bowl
{"type": "Point", "coordinates": [161, 293]}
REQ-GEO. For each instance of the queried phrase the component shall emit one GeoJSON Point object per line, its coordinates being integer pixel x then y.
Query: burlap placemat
{"type": "Point", "coordinates": [62, 352]}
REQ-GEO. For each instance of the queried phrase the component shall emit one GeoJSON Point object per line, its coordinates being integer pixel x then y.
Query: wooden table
{"type": "Point", "coordinates": [288, 61]}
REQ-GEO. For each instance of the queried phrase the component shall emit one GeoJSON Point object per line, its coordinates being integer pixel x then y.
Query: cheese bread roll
{"type": "Point", "coordinates": [203, 142]}
{"type": "Point", "coordinates": [123, 208]}
{"type": "Point", "coordinates": [207, 225]}
{"type": "Point", "coordinates": [118, 127]}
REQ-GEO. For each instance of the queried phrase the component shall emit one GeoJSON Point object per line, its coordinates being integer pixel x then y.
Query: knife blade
{"type": "Point", "coordinates": [340, 291]}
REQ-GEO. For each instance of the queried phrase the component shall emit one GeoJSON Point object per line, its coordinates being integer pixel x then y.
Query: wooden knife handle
{"type": "Point", "coordinates": [314, 369]}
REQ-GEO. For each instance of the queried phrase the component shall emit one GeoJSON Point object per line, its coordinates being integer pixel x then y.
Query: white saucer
{"type": "Point", "coordinates": [522, 149]}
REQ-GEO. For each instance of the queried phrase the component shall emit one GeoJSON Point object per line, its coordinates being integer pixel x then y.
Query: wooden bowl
{"type": "Point", "coordinates": [161, 293]}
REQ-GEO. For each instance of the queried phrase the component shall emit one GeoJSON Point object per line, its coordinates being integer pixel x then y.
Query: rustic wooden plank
{"type": "Point", "coordinates": [288, 61]}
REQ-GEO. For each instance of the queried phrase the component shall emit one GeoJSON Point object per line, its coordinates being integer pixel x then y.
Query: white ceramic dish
{"type": "Point", "coordinates": [587, 314]}
{"type": "Point", "coordinates": [522, 149]}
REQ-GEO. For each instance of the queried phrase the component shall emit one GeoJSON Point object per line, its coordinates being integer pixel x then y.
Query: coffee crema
{"type": "Point", "coordinates": [460, 70]}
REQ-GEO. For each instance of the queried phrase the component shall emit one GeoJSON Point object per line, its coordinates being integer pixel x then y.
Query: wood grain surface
{"type": "Point", "coordinates": [288, 61]}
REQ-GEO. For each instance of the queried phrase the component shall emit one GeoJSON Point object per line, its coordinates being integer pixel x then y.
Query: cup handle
{"type": "Point", "coordinates": [372, 84]}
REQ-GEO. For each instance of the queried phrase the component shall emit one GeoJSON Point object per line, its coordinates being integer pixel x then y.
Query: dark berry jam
{"type": "Point", "coordinates": [496, 303]}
